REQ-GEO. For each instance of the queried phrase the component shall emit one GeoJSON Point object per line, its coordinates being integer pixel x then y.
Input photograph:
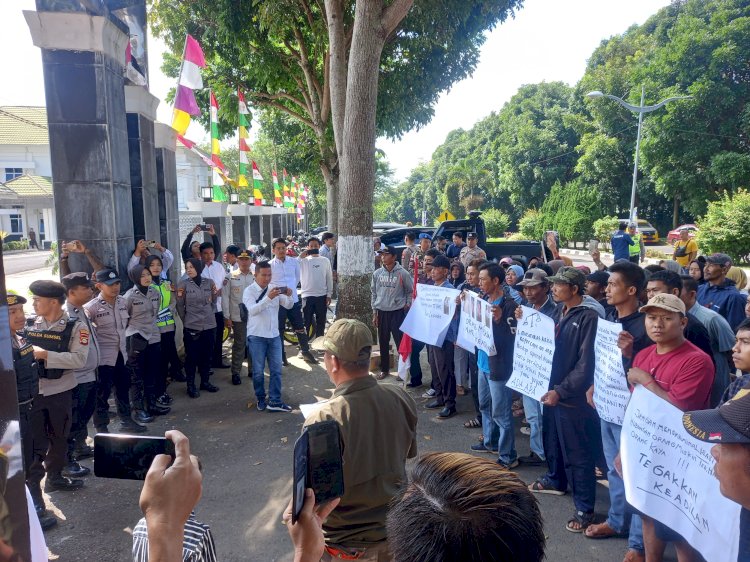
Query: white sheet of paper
{"type": "Point", "coordinates": [430, 314]}
{"type": "Point", "coordinates": [475, 325]}
{"type": "Point", "coordinates": [532, 353]}
{"type": "Point", "coordinates": [611, 393]}
{"type": "Point", "coordinates": [669, 476]}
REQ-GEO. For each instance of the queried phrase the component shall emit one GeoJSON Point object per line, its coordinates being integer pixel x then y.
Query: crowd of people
{"type": "Point", "coordinates": [684, 337]}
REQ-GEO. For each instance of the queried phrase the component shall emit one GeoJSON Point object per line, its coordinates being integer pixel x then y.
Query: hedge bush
{"type": "Point", "coordinates": [496, 222]}
{"type": "Point", "coordinates": [17, 245]}
{"type": "Point", "coordinates": [726, 227]}
{"type": "Point", "coordinates": [603, 229]}
{"type": "Point", "coordinates": [529, 226]}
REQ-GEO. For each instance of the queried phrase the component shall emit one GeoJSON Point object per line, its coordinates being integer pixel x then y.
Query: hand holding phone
{"type": "Point", "coordinates": [127, 456]}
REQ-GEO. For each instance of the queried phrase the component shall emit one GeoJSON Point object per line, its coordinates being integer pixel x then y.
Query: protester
{"type": "Point", "coordinates": [495, 398]}
{"type": "Point", "coordinates": [453, 252]}
{"type": "Point", "coordinates": [739, 277]}
{"type": "Point", "coordinates": [680, 373]}
{"type": "Point", "coordinates": [285, 272]}
{"type": "Point", "coordinates": [695, 270]}
{"type": "Point", "coordinates": [440, 357]}
{"type": "Point", "coordinates": [620, 243]}
{"type": "Point", "coordinates": [391, 294]}
{"type": "Point", "coordinates": [720, 335]}
{"type": "Point", "coordinates": [79, 291]}
{"type": "Point", "coordinates": [415, 369]}
{"type": "Point", "coordinates": [471, 284]}
{"type": "Point", "coordinates": [536, 292]}
{"type": "Point", "coordinates": [109, 312]}
{"type": "Point", "coordinates": [513, 275]}
{"type": "Point", "coordinates": [471, 251]}
{"type": "Point", "coordinates": [458, 275]}
{"type": "Point", "coordinates": [378, 433]}
{"type": "Point", "coordinates": [685, 249]}
{"type": "Point", "coordinates": [741, 360]}
{"type": "Point", "coordinates": [196, 296]}
{"type": "Point", "coordinates": [569, 423]}
{"type": "Point", "coordinates": [234, 318]}
{"type": "Point", "coordinates": [263, 302]}
{"type": "Point", "coordinates": [732, 454]}
{"type": "Point", "coordinates": [316, 281]}
{"type": "Point", "coordinates": [636, 250]}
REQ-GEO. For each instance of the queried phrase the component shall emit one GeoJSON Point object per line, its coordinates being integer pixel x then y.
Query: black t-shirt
{"type": "Point", "coordinates": [744, 552]}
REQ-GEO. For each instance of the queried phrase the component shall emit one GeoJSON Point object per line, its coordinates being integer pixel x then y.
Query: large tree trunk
{"type": "Point", "coordinates": [357, 163]}
{"type": "Point", "coordinates": [331, 177]}
{"type": "Point", "coordinates": [676, 211]}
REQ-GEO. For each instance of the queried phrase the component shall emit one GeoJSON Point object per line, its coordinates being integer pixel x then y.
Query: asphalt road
{"type": "Point", "coordinates": [23, 262]}
{"type": "Point", "coordinates": [247, 464]}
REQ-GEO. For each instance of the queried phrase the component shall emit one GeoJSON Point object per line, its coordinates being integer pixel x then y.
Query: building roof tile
{"type": "Point", "coordinates": [23, 125]}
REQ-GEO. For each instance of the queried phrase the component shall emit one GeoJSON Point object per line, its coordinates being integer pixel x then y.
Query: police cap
{"type": "Point", "coordinates": [13, 298]}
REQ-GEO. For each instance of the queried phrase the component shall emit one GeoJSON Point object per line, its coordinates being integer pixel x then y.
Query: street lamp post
{"type": "Point", "coordinates": [640, 110]}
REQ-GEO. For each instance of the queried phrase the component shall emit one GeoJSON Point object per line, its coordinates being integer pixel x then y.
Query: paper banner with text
{"type": "Point", "coordinates": [430, 314]}
{"type": "Point", "coordinates": [669, 476]}
{"type": "Point", "coordinates": [532, 353]}
{"type": "Point", "coordinates": [475, 326]}
{"type": "Point", "coordinates": [611, 393]}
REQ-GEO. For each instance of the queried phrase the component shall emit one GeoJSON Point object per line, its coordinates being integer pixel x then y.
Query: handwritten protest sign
{"type": "Point", "coordinates": [611, 393]}
{"type": "Point", "coordinates": [532, 353]}
{"type": "Point", "coordinates": [669, 476]}
{"type": "Point", "coordinates": [430, 314]}
{"type": "Point", "coordinates": [475, 326]}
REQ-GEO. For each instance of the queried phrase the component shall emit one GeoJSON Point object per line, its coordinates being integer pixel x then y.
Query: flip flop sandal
{"type": "Point", "coordinates": [542, 487]}
{"type": "Point", "coordinates": [579, 522]}
{"type": "Point", "coordinates": [472, 423]}
{"type": "Point", "coordinates": [381, 376]}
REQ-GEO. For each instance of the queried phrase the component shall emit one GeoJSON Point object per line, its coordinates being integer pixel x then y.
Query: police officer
{"type": "Point", "coordinates": [237, 281]}
{"type": "Point", "coordinates": [27, 386]}
{"type": "Point", "coordinates": [636, 250]}
{"type": "Point", "coordinates": [109, 314]}
{"type": "Point", "coordinates": [60, 345]}
{"type": "Point", "coordinates": [80, 291]}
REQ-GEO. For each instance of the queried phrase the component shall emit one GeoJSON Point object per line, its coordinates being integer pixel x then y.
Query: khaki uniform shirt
{"type": "Point", "coordinates": [231, 294]}
{"type": "Point", "coordinates": [378, 430]}
{"type": "Point", "coordinates": [468, 255]}
{"type": "Point", "coordinates": [88, 372]}
{"type": "Point", "coordinates": [68, 360]}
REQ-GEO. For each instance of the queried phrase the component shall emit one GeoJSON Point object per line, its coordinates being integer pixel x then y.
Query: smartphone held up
{"type": "Point", "coordinates": [127, 456]}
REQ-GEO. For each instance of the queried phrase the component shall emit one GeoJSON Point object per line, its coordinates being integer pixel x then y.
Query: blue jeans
{"type": "Point", "coordinates": [533, 410]}
{"type": "Point", "coordinates": [490, 431]}
{"type": "Point", "coordinates": [618, 517]}
{"type": "Point", "coordinates": [502, 417]}
{"type": "Point", "coordinates": [260, 349]}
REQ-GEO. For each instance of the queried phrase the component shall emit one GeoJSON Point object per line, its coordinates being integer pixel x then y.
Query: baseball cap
{"type": "Point", "coordinates": [347, 339]}
{"type": "Point", "coordinates": [424, 236]}
{"type": "Point", "coordinates": [471, 235]}
{"type": "Point", "coordinates": [107, 276]}
{"type": "Point", "coordinates": [729, 423]}
{"type": "Point", "coordinates": [77, 279]}
{"type": "Point", "coordinates": [534, 277]}
{"type": "Point", "coordinates": [719, 259]}
{"type": "Point", "coordinates": [441, 261]}
{"type": "Point", "coordinates": [388, 250]}
{"type": "Point", "coordinates": [664, 301]}
{"type": "Point", "coordinates": [569, 275]}
{"type": "Point", "coordinates": [601, 277]}
{"type": "Point", "coordinates": [244, 255]}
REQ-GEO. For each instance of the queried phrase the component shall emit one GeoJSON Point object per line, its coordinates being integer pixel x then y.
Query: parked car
{"type": "Point", "coordinates": [395, 237]}
{"type": "Point", "coordinates": [674, 235]}
{"type": "Point", "coordinates": [647, 231]}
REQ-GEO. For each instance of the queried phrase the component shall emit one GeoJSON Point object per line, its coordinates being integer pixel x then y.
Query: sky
{"type": "Point", "coordinates": [548, 40]}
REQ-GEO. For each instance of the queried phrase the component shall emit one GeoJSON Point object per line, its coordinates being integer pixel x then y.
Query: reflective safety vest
{"type": "Point", "coordinates": [164, 316]}
{"type": "Point", "coordinates": [635, 249]}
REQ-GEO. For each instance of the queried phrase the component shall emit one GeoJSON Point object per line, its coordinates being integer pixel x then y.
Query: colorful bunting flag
{"type": "Point", "coordinates": [190, 79]}
{"type": "Point", "coordinates": [257, 187]}
{"type": "Point", "coordinates": [244, 146]}
{"type": "Point", "coordinates": [277, 202]}
{"type": "Point", "coordinates": [287, 199]}
{"type": "Point", "coordinates": [218, 181]}
{"type": "Point", "coordinates": [293, 195]}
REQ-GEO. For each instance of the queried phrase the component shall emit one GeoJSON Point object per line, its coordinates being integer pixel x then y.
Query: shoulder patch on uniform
{"type": "Point", "coordinates": [83, 336]}
{"type": "Point", "coordinates": [62, 322]}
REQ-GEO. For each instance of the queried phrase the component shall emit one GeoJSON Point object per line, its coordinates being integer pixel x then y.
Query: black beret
{"type": "Point", "coordinates": [77, 279]}
{"type": "Point", "coordinates": [47, 289]}
{"type": "Point", "coordinates": [13, 298]}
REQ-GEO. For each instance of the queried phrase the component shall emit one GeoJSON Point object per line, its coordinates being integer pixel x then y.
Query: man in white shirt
{"type": "Point", "coordinates": [285, 272]}
{"type": "Point", "coordinates": [316, 278]}
{"type": "Point", "coordinates": [215, 271]}
{"type": "Point", "coordinates": [329, 246]}
{"type": "Point", "coordinates": [263, 303]}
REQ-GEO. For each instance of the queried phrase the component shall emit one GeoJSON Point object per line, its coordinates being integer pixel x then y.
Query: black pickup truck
{"type": "Point", "coordinates": [520, 250]}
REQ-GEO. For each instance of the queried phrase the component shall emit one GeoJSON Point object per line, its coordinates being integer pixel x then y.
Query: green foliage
{"type": "Point", "coordinates": [571, 209]}
{"type": "Point", "coordinates": [529, 226]}
{"type": "Point", "coordinates": [726, 226]}
{"type": "Point", "coordinates": [17, 245]}
{"type": "Point", "coordinates": [52, 260]}
{"type": "Point", "coordinates": [496, 222]}
{"type": "Point", "coordinates": [604, 227]}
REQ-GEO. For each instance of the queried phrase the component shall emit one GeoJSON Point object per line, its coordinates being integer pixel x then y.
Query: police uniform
{"type": "Point", "coordinates": [67, 345]}
{"type": "Point", "coordinates": [195, 305]}
{"type": "Point", "coordinates": [170, 361]}
{"type": "Point", "coordinates": [143, 341]}
{"type": "Point", "coordinates": [231, 299]}
{"type": "Point", "coordinates": [469, 254]}
{"type": "Point", "coordinates": [84, 395]}
{"type": "Point", "coordinates": [110, 322]}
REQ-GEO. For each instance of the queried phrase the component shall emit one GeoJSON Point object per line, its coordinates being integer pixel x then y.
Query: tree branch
{"type": "Point", "coordinates": [313, 86]}
{"type": "Point", "coordinates": [272, 100]}
{"type": "Point", "coordinates": [308, 12]}
{"type": "Point", "coordinates": [394, 14]}
{"type": "Point", "coordinates": [325, 111]}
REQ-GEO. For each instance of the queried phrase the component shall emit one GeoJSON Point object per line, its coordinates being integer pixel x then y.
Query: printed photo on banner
{"type": "Point", "coordinates": [532, 353]}
{"type": "Point", "coordinates": [430, 314]}
{"type": "Point", "coordinates": [475, 330]}
{"type": "Point", "coordinates": [611, 392]}
{"type": "Point", "coordinates": [669, 476]}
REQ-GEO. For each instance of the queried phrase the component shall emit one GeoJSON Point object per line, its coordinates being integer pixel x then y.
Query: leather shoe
{"type": "Point", "coordinates": [129, 426]}
{"type": "Point", "coordinates": [75, 470]}
{"type": "Point", "coordinates": [59, 482]}
{"type": "Point", "coordinates": [236, 379]}
{"type": "Point", "coordinates": [193, 392]}
{"type": "Point", "coordinates": [46, 521]}
{"type": "Point", "coordinates": [284, 361]}
{"type": "Point", "coordinates": [156, 409]}
{"type": "Point", "coordinates": [139, 416]}
{"type": "Point", "coordinates": [446, 412]}
{"type": "Point", "coordinates": [308, 357]}
{"type": "Point", "coordinates": [209, 387]}
{"type": "Point", "coordinates": [413, 384]}
{"type": "Point", "coordinates": [84, 452]}
{"type": "Point", "coordinates": [434, 405]}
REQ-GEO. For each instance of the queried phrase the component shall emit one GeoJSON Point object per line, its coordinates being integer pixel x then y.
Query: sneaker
{"type": "Point", "coordinates": [526, 430]}
{"type": "Point", "coordinates": [429, 394]}
{"type": "Point", "coordinates": [508, 466]}
{"type": "Point", "coordinates": [261, 404]}
{"type": "Point", "coordinates": [165, 399]}
{"type": "Point", "coordinates": [278, 407]}
{"type": "Point", "coordinates": [532, 459]}
{"type": "Point", "coordinates": [480, 448]}
{"type": "Point", "coordinates": [75, 470]}
{"type": "Point", "coordinates": [129, 426]}
{"type": "Point", "coordinates": [236, 379]}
